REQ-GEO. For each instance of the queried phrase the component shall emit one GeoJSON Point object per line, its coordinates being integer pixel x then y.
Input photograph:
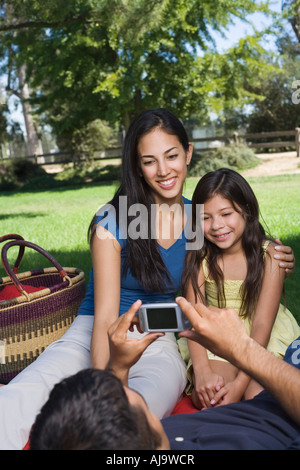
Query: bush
{"type": "Point", "coordinates": [89, 173]}
{"type": "Point", "coordinates": [41, 182]}
{"type": "Point", "coordinates": [17, 172]}
{"type": "Point", "coordinates": [235, 156]}
{"type": "Point", "coordinates": [24, 175]}
{"type": "Point", "coordinates": [6, 185]}
{"type": "Point", "coordinates": [23, 170]}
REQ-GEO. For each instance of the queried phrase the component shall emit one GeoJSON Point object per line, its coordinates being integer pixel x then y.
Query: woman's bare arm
{"type": "Point", "coordinates": [106, 259]}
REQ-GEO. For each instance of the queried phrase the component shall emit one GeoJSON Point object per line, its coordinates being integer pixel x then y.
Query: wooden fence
{"type": "Point", "coordinates": [269, 140]}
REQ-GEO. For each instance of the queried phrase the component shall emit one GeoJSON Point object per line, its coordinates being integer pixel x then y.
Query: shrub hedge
{"type": "Point", "coordinates": [24, 175]}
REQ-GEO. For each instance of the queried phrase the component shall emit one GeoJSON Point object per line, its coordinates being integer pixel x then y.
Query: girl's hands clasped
{"type": "Point", "coordinates": [205, 389]}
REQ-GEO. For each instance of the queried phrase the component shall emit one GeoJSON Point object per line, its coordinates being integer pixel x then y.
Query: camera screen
{"type": "Point", "coordinates": [164, 318]}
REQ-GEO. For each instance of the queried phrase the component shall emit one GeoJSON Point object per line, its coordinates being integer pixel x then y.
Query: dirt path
{"type": "Point", "coordinates": [275, 164]}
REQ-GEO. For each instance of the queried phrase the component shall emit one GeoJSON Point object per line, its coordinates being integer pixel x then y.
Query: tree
{"type": "Point", "coordinates": [17, 82]}
{"type": "Point", "coordinates": [111, 59]}
{"type": "Point", "coordinates": [3, 121]}
{"type": "Point", "coordinates": [275, 109]}
{"type": "Point", "coordinates": [291, 10]}
{"type": "Point", "coordinates": [276, 112]}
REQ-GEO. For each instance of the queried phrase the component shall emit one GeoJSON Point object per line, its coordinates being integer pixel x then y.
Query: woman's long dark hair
{"type": "Point", "coordinates": [143, 258]}
{"type": "Point", "coordinates": [233, 187]}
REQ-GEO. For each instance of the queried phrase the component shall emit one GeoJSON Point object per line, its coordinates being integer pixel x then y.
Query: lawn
{"type": "Point", "coordinates": [58, 221]}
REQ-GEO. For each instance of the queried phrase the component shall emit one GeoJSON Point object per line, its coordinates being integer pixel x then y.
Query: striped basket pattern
{"type": "Point", "coordinates": [29, 322]}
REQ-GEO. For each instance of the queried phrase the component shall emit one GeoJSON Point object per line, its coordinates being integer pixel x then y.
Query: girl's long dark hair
{"type": "Point", "coordinates": [143, 258]}
{"type": "Point", "coordinates": [233, 187]}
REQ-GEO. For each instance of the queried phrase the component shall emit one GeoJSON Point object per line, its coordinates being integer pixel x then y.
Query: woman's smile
{"type": "Point", "coordinates": [163, 165]}
{"type": "Point", "coordinates": [167, 184]}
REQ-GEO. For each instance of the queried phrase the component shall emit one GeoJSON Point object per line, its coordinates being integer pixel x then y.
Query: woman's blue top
{"type": "Point", "coordinates": [131, 289]}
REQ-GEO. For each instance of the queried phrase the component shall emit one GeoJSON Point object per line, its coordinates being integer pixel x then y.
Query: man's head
{"type": "Point", "coordinates": [91, 411]}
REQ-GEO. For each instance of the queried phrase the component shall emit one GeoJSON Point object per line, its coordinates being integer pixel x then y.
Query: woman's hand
{"type": "Point", "coordinates": [286, 256]}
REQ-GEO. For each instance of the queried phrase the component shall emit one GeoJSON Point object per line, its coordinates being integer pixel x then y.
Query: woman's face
{"type": "Point", "coordinates": [163, 164]}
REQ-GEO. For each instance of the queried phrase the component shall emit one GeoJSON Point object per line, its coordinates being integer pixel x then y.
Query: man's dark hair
{"type": "Point", "coordinates": [90, 411]}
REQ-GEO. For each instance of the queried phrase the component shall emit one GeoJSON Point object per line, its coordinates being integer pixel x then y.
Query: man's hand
{"type": "Point", "coordinates": [222, 332]}
{"type": "Point", "coordinates": [125, 352]}
{"type": "Point", "coordinates": [219, 330]}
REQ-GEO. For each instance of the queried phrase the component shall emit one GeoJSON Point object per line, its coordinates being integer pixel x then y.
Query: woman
{"type": "Point", "coordinates": [155, 158]}
{"type": "Point", "coordinates": [146, 264]}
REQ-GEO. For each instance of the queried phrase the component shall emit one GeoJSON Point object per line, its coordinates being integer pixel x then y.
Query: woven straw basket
{"type": "Point", "coordinates": [29, 322]}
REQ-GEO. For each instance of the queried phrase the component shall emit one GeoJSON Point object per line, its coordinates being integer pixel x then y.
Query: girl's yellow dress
{"type": "Point", "coordinates": [285, 328]}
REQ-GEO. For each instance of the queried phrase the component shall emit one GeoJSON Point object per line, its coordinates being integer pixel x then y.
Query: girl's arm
{"type": "Point", "coordinates": [106, 259]}
{"type": "Point", "coordinates": [269, 299]}
{"type": "Point", "coordinates": [205, 382]}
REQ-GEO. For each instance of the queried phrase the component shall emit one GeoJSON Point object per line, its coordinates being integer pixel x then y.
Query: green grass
{"type": "Point", "coordinates": [58, 221]}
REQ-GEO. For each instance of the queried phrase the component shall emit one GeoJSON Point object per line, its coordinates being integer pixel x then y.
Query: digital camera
{"type": "Point", "coordinates": [162, 317]}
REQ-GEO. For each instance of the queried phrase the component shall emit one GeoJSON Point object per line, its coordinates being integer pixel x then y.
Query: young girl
{"type": "Point", "coordinates": [236, 269]}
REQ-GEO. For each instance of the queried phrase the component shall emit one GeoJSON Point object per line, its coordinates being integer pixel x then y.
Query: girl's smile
{"type": "Point", "coordinates": [223, 225]}
{"type": "Point", "coordinates": [222, 238]}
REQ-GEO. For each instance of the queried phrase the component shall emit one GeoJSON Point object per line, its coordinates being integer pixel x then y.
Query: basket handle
{"type": "Point", "coordinates": [23, 243]}
{"type": "Point", "coordinates": [15, 236]}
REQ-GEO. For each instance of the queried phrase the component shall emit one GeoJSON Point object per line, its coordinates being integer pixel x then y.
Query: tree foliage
{"type": "Point", "coordinates": [275, 110]}
{"type": "Point", "coordinates": [291, 10]}
{"type": "Point", "coordinates": [110, 59]}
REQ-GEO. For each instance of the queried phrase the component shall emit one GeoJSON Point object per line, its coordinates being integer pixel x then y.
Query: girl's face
{"type": "Point", "coordinates": [163, 164]}
{"type": "Point", "coordinates": [223, 225]}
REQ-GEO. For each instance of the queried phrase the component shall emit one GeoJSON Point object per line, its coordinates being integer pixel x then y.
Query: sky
{"type": "Point", "coordinates": [235, 32]}
{"type": "Point", "coordinates": [240, 28]}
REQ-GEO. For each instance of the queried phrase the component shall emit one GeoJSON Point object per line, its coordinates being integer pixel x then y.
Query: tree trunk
{"type": "Point", "coordinates": [295, 19]}
{"type": "Point", "coordinates": [33, 143]}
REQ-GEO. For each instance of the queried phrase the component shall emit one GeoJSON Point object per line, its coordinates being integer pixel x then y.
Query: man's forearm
{"type": "Point", "coordinates": [222, 332]}
{"type": "Point", "coordinates": [281, 379]}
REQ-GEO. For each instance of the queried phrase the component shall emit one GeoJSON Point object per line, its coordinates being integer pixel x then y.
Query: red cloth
{"type": "Point", "coordinates": [184, 406]}
{"type": "Point", "coordinates": [10, 291]}
{"type": "Point", "coordinates": [27, 447]}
